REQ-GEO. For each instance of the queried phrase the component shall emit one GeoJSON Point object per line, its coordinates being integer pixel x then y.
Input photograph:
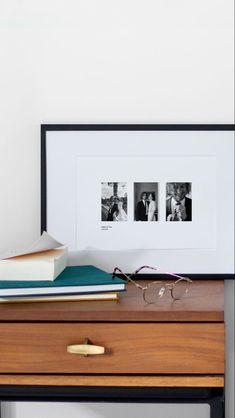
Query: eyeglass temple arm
{"type": "Point", "coordinates": [179, 277]}
{"type": "Point", "coordinates": [141, 268]}
{"type": "Point", "coordinates": [166, 272]}
{"type": "Point", "coordinates": [114, 271]}
{"type": "Point", "coordinates": [127, 277]}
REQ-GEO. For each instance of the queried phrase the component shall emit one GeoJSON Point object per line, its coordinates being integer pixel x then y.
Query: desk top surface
{"type": "Point", "coordinates": [204, 303]}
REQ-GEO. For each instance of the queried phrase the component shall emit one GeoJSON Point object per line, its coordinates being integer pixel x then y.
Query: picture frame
{"type": "Point", "coordinates": [85, 167]}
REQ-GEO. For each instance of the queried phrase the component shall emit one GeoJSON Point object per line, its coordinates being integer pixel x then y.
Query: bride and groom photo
{"type": "Point", "coordinates": [146, 209]}
{"type": "Point", "coordinates": [114, 202]}
{"type": "Point", "coordinates": [145, 202]}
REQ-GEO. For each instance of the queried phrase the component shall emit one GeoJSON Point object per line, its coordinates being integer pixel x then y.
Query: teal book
{"type": "Point", "coordinates": [73, 280]}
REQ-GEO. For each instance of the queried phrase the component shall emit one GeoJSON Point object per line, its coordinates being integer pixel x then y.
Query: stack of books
{"type": "Point", "coordinates": [75, 283]}
{"type": "Point", "coordinates": [39, 274]}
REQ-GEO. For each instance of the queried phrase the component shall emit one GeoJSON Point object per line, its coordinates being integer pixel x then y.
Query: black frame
{"type": "Point", "coordinates": [125, 127]}
{"type": "Point", "coordinates": [214, 397]}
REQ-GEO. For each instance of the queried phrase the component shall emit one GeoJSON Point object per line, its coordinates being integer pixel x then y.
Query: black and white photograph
{"type": "Point", "coordinates": [146, 202]}
{"type": "Point", "coordinates": [114, 202]}
{"type": "Point", "coordinates": [179, 202]}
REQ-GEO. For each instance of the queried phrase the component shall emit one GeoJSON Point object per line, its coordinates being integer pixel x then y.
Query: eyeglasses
{"type": "Point", "coordinates": [157, 289]}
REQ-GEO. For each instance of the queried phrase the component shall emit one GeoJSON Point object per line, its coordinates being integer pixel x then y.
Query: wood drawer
{"type": "Point", "coordinates": [130, 348]}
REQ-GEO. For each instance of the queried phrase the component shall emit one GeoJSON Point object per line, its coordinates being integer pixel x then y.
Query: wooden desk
{"type": "Point", "coordinates": [168, 352]}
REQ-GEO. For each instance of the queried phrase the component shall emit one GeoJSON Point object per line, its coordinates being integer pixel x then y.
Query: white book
{"type": "Point", "coordinates": [44, 265]}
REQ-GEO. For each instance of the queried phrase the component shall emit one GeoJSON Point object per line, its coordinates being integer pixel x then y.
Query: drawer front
{"type": "Point", "coordinates": [130, 348]}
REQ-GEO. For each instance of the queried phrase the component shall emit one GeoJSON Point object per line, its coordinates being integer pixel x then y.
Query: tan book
{"type": "Point", "coordinates": [62, 298]}
{"type": "Point", "coordinates": [44, 265]}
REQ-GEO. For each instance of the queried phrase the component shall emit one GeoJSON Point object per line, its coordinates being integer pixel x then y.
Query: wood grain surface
{"type": "Point", "coordinates": [204, 303]}
{"type": "Point", "coordinates": [130, 348]}
{"type": "Point", "coordinates": [114, 381]}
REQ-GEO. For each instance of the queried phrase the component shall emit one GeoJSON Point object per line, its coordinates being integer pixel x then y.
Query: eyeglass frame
{"type": "Point", "coordinates": [168, 286]}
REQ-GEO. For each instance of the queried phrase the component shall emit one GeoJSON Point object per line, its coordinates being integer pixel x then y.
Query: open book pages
{"type": "Point", "coordinates": [44, 243]}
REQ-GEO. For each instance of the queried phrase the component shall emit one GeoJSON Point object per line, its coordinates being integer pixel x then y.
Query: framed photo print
{"type": "Point", "coordinates": [132, 195]}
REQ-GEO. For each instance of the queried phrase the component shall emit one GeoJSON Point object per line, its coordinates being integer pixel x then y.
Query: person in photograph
{"type": "Point", "coordinates": [178, 205]}
{"type": "Point", "coordinates": [119, 215]}
{"type": "Point", "coordinates": [142, 208]}
{"type": "Point", "coordinates": [112, 207]}
{"type": "Point", "coordinates": [151, 216]}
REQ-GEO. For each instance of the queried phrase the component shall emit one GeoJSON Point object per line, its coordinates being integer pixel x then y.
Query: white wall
{"type": "Point", "coordinates": [77, 61]}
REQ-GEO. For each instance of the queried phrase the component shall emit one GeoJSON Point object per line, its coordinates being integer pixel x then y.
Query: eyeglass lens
{"type": "Point", "coordinates": [180, 289]}
{"type": "Point", "coordinates": [153, 292]}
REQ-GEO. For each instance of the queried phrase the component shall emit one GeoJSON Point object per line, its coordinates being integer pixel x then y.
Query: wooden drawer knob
{"type": "Point", "coordinates": [86, 349]}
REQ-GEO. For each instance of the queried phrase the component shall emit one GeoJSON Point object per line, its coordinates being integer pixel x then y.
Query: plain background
{"type": "Point", "coordinates": [89, 61]}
